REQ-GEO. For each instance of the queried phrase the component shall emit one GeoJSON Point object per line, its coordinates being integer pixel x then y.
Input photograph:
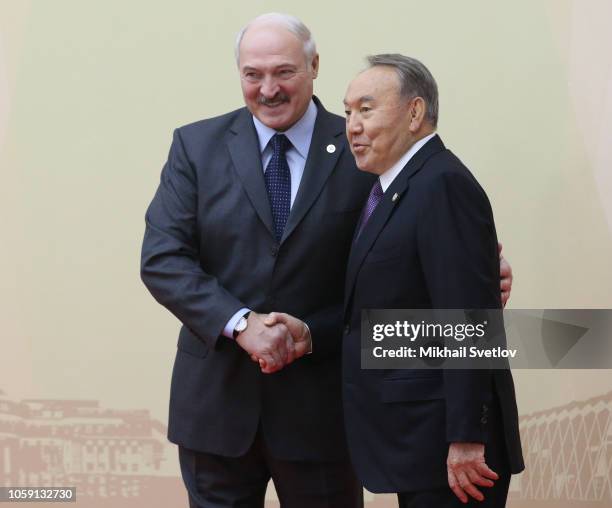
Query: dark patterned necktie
{"type": "Point", "coordinates": [374, 198]}
{"type": "Point", "coordinates": [278, 183]}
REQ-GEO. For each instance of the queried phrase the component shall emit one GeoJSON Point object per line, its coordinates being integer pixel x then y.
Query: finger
{"type": "Point", "coordinates": [477, 479]}
{"type": "Point", "coordinates": [270, 362]}
{"type": "Point", "coordinates": [505, 271]}
{"type": "Point", "coordinates": [454, 485]}
{"type": "Point", "coordinates": [505, 284]}
{"type": "Point", "coordinates": [277, 362]}
{"type": "Point", "coordinates": [505, 296]}
{"type": "Point", "coordinates": [283, 353]}
{"type": "Point", "coordinates": [271, 319]}
{"type": "Point", "coordinates": [486, 471]}
{"type": "Point", "coordinates": [301, 348]}
{"type": "Point", "coordinates": [290, 349]}
{"type": "Point", "coordinates": [467, 486]}
{"type": "Point", "coordinates": [254, 358]}
{"type": "Point", "coordinates": [264, 367]}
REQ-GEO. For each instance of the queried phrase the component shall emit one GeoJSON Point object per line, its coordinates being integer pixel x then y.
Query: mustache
{"type": "Point", "coordinates": [279, 97]}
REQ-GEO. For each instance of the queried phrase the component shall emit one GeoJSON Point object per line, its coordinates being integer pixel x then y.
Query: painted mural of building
{"type": "Point", "coordinates": [106, 454]}
{"type": "Point", "coordinates": [568, 455]}
{"type": "Point", "coordinates": [117, 457]}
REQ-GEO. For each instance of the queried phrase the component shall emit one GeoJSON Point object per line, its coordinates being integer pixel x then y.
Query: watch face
{"type": "Point", "coordinates": [242, 324]}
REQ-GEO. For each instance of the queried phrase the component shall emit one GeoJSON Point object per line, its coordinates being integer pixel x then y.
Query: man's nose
{"type": "Point", "coordinates": [353, 124]}
{"type": "Point", "coordinates": [269, 87]}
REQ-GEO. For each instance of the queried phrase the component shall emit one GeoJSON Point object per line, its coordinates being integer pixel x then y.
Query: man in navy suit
{"type": "Point", "coordinates": [426, 239]}
{"type": "Point", "coordinates": [255, 213]}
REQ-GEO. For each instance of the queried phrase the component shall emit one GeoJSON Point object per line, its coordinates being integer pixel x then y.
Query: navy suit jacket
{"type": "Point", "coordinates": [209, 249]}
{"type": "Point", "coordinates": [434, 247]}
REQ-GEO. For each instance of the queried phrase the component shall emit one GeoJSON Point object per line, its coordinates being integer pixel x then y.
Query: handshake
{"type": "Point", "coordinates": [274, 340]}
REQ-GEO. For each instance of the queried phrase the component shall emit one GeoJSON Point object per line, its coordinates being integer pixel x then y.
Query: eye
{"type": "Point", "coordinates": [365, 109]}
{"type": "Point", "coordinates": [251, 76]}
{"type": "Point", "coordinates": [347, 113]}
{"type": "Point", "coordinates": [286, 73]}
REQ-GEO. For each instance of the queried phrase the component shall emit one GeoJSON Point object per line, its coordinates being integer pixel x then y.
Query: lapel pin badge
{"type": "Point", "coordinates": [330, 148]}
{"type": "Point", "coordinates": [395, 197]}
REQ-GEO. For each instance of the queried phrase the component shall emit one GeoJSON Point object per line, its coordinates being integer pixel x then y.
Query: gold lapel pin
{"type": "Point", "coordinates": [330, 148]}
{"type": "Point", "coordinates": [395, 197]}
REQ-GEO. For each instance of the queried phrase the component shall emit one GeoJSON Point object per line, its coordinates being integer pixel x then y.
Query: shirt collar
{"type": "Point", "coordinates": [386, 179]}
{"type": "Point", "coordinates": [299, 134]}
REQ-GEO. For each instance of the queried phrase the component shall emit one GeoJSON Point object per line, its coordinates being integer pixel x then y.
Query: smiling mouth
{"type": "Point", "coordinates": [275, 102]}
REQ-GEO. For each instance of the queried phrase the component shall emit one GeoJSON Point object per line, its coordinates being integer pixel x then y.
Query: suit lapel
{"type": "Point", "coordinates": [321, 160]}
{"type": "Point", "coordinates": [244, 151]}
{"type": "Point", "coordinates": [362, 245]}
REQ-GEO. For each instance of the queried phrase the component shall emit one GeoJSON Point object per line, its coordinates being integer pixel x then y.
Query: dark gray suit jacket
{"type": "Point", "coordinates": [433, 247]}
{"type": "Point", "coordinates": [209, 249]}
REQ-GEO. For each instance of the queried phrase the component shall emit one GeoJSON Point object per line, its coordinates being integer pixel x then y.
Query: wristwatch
{"type": "Point", "coordinates": [241, 325]}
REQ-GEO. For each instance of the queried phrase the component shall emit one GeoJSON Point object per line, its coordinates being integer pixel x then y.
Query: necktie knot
{"type": "Point", "coordinates": [280, 144]}
{"type": "Point", "coordinates": [377, 191]}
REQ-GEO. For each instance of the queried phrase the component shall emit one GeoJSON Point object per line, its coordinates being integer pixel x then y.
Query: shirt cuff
{"type": "Point", "coordinates": [228, 331]}
{"type": "Point", "coordinates": [310, 335]}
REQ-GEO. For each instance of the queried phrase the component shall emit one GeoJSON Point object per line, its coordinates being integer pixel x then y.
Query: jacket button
{"type": "Point", "coordinates": [274, 251]}
{"type": "Point", "coordinates": [347, 329]}
{"type": "Point", "coordinates": [483, 420]}
{"type": "Point", "coordinates": [485, 408]}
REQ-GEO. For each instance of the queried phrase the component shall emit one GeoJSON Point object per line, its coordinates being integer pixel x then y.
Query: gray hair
{"type": "Point", "coordinates": [415, 80]}
{"type": "Point", "coordinates": [291, 23]}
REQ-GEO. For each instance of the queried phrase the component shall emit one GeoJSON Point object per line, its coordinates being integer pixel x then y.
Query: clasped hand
{"type": "Point", "coordinates": [274, 340]}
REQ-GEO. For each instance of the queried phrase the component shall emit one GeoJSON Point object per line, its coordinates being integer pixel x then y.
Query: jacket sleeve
{"type": "Point", "coordinates": [458, 250]}
{"type": "Point", "coordinates": [326, 331]}
{"type": "Point", "coordinates": [170, 260]}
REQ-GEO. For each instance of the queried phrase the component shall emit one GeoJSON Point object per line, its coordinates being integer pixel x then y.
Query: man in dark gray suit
{"type": "Point", "coordinates": [255, 213]}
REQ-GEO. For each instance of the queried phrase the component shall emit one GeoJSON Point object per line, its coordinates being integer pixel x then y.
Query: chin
{"type": "Point", "coordinates": [279, 123]}
{"type": "Point", "coordinates": [361, 165]}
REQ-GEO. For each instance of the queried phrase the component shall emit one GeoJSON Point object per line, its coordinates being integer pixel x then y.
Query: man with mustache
{"type": "Point", "coordinates": [255, 213]}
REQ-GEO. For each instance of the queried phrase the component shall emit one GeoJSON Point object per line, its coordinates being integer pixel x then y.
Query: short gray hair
{"type": "Point", "coordinates": [291, 23]}
{"type": "Point", "coordinates": [415, 80]}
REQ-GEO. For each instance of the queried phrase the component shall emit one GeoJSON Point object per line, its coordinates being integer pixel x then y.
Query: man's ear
{"type": "Point", "coordinates": [315, 65]}
{"type": "Point", "coordinates": [417, 114]}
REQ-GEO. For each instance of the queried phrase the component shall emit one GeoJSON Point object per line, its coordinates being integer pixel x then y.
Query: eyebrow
{"type": "Point", "coordinates": [279, 66]}
{"type": "Point", "coordinates": [363, 98]}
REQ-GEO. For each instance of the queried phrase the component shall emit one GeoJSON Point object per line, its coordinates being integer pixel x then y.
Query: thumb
{"type": "Point", "coordinates": [271, 319]}
{"type": "Point", "coordinates": [274, 318]}
{"type": "Point", "coordinates": [302, 347]}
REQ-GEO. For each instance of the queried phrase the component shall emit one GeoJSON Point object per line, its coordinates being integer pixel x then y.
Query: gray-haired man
{"type": "Point", "coordinates": [436, 437]}
{"type": "Point", "coordinates": [255, 213]}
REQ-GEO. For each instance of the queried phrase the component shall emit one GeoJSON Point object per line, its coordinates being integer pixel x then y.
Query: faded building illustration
{"type": "Point", "coordinates": [110, 456]}
{"type": "Point", "coordinates": [568, 455]}
{"type": "Point", "coordinates": [118, 458]}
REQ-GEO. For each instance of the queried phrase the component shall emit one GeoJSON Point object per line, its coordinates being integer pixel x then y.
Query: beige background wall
{"type": "Point", "coordinates": [89, 95]}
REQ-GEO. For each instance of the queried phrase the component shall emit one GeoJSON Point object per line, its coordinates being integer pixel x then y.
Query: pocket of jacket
{"type": "Point", "coordinates": [190, 343]}
{"type": "Point", "coordinates": [412, 389]}
{"type": "Point", "coordinates": [379, 255]}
